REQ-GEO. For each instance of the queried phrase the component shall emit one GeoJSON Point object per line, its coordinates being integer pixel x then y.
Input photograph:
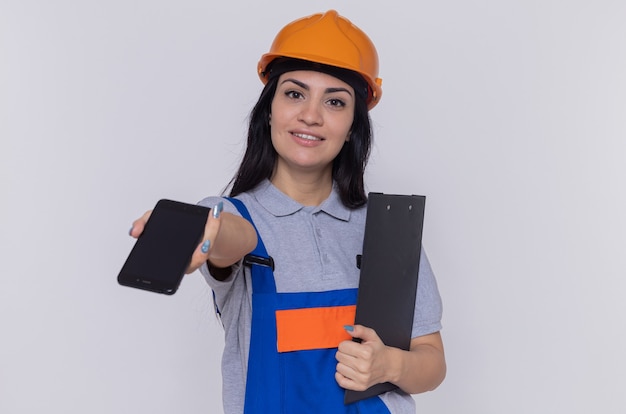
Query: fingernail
{"type": "Point", "coordinates": [348, 328]}
{"type": "Point", "coordinates": [218, 209]}
{"type": "Point", "coordinates": [205, 246]}
{"type": "Point", "coordinates": [130, 232]}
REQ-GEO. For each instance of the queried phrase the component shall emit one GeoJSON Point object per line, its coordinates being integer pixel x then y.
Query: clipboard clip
{"type": "Point", "coordinates": [250, 259]}
{"type": "Point", "coordinates": [359, 257]}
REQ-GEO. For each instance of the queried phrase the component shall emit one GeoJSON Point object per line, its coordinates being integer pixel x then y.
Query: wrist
{"type": "Point", "coordinates": [394, 365]}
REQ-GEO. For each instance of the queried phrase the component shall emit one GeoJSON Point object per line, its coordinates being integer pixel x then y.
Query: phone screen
{"type": "Point", "coordinates": [162, 253]}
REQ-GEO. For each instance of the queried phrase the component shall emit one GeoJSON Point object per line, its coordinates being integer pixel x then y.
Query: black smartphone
{"type": "Point", "coordinates": [160, 256]}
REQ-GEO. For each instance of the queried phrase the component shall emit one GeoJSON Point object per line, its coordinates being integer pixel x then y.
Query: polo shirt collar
{"type": "Point", "coordinates": [279, 204]}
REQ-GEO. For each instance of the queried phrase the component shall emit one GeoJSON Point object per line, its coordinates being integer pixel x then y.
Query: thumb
{"type": "Point", "coordinates": [361, 332]}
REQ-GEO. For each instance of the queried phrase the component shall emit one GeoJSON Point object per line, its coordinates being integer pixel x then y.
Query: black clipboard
{"type": "Point", "coordinates": [389, 266]}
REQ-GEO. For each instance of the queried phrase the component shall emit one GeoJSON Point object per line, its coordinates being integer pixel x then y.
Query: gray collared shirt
{"type": "Point", "coordinates": [314, 249]}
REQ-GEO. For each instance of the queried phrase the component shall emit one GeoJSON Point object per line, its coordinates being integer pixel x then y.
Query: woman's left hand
{"type": "Point", "coordinates": [361, 365]}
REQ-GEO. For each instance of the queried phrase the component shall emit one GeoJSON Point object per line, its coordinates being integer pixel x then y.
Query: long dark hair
{"type": "Point", "coordinates": [260, 156]}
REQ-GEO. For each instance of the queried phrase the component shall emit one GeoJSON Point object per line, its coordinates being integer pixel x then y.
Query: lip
{"type": "Point", "coordinates": [306, 139]}
{"type": "Point", "coordinates": [306, 136]}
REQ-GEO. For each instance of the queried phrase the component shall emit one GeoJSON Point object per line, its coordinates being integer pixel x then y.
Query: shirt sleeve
{"type": "Point", "coordinates": [428, 305]}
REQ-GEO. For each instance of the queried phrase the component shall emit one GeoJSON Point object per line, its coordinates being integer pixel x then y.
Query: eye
{"type": "Point", "coordinates": [293, 94]}
{"type": "Point", "coordinates": [336, 102]}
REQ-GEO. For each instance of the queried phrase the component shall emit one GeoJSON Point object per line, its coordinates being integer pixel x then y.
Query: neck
{"type": "Point", "coordinates": [308, 189]}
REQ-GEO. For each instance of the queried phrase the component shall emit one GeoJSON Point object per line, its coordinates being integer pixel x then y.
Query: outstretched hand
{"type": "Point", "coordinates": [361, 365]}
{"type": "Point", "coordinates": [203, 250]}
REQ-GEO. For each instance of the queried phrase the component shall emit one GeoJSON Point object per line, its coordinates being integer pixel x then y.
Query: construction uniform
{"type": "Point", "coordinates": [282, 327]}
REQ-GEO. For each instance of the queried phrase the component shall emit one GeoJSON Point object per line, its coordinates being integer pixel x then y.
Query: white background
{"type": "Point", "coordinates": [510, 116]}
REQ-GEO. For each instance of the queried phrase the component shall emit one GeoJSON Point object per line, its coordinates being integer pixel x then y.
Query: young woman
{"type": "Point", "coordinates": [299, 201]}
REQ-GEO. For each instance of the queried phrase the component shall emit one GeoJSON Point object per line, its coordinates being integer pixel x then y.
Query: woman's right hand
{"type": "Point", "coordinates": [226, 239]}
{"type": "Point", "coordinates": [139, 224]}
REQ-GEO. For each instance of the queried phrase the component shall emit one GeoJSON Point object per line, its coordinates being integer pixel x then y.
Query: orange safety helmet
{"type": "Point", "coordinates": [329, 39]}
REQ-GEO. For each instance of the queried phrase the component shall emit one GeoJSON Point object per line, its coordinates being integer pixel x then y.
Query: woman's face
{"type": "Point", "coordinates": [311, 117]}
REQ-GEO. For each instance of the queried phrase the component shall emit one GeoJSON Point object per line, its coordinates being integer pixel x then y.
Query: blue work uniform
{"type": "Point", "coordinates": [288, 373]}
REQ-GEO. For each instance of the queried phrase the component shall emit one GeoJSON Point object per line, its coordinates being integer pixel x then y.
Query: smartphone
{"type": "Point", "coordinates": [161, 254]}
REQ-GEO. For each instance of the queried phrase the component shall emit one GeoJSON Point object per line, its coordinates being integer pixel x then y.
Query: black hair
{"type": "Point", "coordinates": [260, 156]}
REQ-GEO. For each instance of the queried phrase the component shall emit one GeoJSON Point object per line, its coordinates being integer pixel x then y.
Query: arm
{"type": "Point", "coordinates": [361, 365]}
{"type": "Point", "coordinates": [227, 238]}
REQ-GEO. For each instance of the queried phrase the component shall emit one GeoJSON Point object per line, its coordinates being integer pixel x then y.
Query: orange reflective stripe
{"type": "Point", "coordinates": [313, 328]}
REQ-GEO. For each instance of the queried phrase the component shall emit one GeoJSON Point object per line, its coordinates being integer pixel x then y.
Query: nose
{"type": "Point", "coordinates": [311, 114]}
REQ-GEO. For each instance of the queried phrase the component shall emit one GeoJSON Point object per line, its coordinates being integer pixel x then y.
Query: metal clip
{"type": "Point", "coordinates": [251, 259]}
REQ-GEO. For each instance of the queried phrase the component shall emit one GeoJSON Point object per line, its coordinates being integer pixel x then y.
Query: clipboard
{"type": "Point", "coordinates": [389, 266]}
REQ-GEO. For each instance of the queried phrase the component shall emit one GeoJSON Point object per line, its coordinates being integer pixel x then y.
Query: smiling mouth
{"type": "Point", "coordinates": [307, 137]}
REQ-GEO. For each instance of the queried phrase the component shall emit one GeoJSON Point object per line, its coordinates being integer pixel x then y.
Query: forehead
{"type": "Point", "coordinates": [314, 79]}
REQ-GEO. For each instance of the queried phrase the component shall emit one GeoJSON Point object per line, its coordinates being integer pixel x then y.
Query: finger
{"type": "Point", "coordinates": [346, 372]}
{"type": "Point", "coordinates": [138, 225]}
{"type": "Point", "coordinates": [363, 333]}
{"type": "Point", "coordinates": [346, 353]}
{"type": "Point", "coordinates": [211, 229]}
{"type": "Point", "coordinates": [347, 349]}
{"type": "Point", "coordinates": [351, 347]}
{"type": "Point", "coordinates": [347, 382]}
{"type": "Point", "coordinates": [353, 362]}
{"type": "Point", "coordinates": [343, 381]}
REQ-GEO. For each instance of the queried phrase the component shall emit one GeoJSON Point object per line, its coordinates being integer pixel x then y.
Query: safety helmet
{"type": "Point", "coordinates": [329, 39]}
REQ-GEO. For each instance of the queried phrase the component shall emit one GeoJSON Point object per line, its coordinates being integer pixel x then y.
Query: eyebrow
{"type": "Point", "coordinates": [306, 87]}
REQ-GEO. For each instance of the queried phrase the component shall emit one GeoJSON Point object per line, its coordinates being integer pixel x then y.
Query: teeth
{"type": "Point", "coordinates": [308, 137]}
